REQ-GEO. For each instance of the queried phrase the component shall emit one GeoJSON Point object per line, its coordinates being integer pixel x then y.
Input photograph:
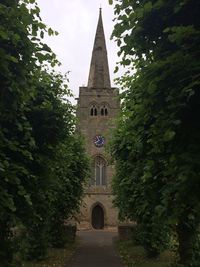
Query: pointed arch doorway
{"type": "Point", "coordinates": [97, 217]}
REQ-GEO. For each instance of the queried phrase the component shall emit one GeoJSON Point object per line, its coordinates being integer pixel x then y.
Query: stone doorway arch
{"type": "Point", "coordinates": [97, 219]}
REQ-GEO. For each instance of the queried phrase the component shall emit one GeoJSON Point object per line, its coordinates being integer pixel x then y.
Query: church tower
{"type": "Point", "coordinates": [98, 105]}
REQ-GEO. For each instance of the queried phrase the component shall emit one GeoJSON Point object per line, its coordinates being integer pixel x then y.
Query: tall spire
{"type": "Point", "coordinates": [99, 76]}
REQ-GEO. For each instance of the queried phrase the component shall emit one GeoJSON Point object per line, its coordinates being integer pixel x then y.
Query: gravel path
{"type": "Point", "coordinates": [96, 250]}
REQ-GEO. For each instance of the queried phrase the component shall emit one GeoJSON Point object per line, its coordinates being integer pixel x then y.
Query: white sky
{"type": "Point", "coordinates": [76, 22]}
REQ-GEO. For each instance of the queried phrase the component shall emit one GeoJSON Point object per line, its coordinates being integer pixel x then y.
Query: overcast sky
{"type": "Point", "coordinates": [76, 22]}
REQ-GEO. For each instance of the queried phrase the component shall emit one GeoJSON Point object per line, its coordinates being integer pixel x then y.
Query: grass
{"type": "Point", "coordinates": [55, 258]}
{"type": "Point", "coordinates": [135, 256]}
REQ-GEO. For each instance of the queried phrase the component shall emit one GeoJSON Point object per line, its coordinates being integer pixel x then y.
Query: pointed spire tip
{"type": "Point", "coordinates": [99, 76]}
{"type": "Point", "coordinates": [100, 9]}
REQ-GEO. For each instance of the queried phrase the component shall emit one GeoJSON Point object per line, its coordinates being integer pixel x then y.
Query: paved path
{"type": "Point", "coordinates": [96, 250]}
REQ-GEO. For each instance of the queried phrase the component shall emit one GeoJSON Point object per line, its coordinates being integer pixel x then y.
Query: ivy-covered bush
{"type": "Point", "coordinates": [63, 234]}
{"type": "Point", "coordinates": [157, 143]}
{"type": "Point", "coordinates": [42, 161]}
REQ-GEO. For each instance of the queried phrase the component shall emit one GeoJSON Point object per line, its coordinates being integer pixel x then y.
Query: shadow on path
{"type": "Point", "coordinates": [96, 250]}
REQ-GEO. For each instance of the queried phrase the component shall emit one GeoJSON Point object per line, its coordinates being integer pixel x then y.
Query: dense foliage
{"type": "Point", "coordinates": [42, 160]}
{"type": "Point", "coordinates": [157, 142]}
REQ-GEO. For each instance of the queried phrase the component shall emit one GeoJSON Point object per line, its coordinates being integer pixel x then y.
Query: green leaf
{"type": "Point", "coordinates": [169, 135]}
{"type": "Point", "coordinates": [42, 34]}
{"type": "Point", "coordinates": [50, 32]}
{"type": "Point", "coordinates": [12, 58]}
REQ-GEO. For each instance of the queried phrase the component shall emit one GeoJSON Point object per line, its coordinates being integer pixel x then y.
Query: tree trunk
{"type": "Point", "coordinates": [6, 253]}
{"type": "Point", "coordinates": [186, 235]}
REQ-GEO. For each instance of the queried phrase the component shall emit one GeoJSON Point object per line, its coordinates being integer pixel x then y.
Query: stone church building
{"type": "Point", "coordinates": [98, 105]}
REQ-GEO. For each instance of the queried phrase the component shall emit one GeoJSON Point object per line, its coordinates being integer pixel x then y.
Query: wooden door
{"type": "Point", "coordinates": [97, 217]}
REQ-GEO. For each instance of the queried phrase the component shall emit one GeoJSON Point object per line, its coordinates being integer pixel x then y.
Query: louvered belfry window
{"type": "Point", "coordinates": [93, 111]}
{"type": "Point", "coordinates": [104, 111]}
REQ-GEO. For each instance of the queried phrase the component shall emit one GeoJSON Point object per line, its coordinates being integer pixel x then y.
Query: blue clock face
{"type": "Point", "coordinates": [99, 140]}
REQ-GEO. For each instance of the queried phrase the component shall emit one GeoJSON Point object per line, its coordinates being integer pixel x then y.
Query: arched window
{"type": "Point", "coordinates": [104, 111]}
{"type": "Point", "coordinates": [93, 111]}
{"type": "Point", "coordinates": [99, 172]}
